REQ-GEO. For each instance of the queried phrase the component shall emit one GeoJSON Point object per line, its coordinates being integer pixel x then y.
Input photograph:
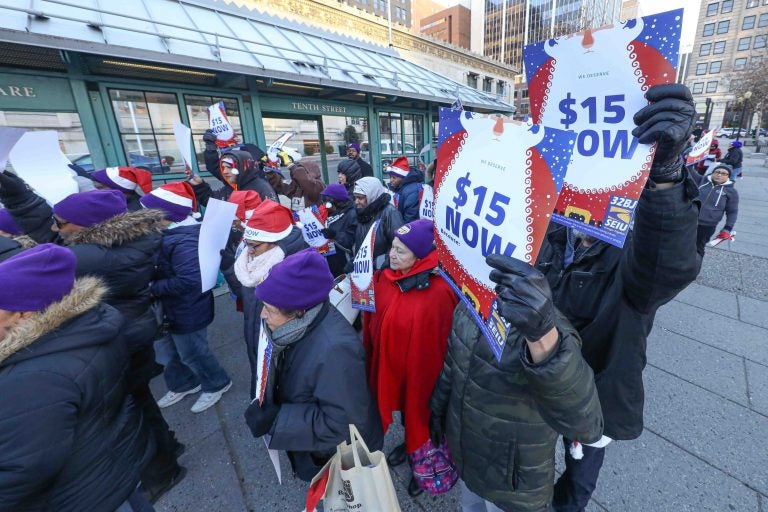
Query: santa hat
{"type": "Point", "coordinates": [270, 222]}
{"type": "Point", "coordinates": [246, 201]}
{"type": "Point", "coordinates": [126, 179]}
{"type": "Point", "coordinates": [399, 167]}
{"type": "Point", "coordinates": [177, 200]}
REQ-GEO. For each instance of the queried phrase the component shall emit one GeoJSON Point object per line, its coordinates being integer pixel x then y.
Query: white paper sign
{"type": "Point", "coordinates": [183, 141]}
{"type": "Point", "coordinates": [311, 228]}
{"type": "Point", "coordinates": [8, 138]}
{"type": "Point", "coordinates": [220, 125]}
{"type": "Point", "coordinates": [275, 147]}
{"type": "Point", "coordinates": [274, 458]}
{"type": "Point", "coordinates": [214, 233]}
{"type": "Point", "coordinates": [37, 158]}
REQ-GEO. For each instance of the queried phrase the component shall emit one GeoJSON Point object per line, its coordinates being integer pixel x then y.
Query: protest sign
{"type": "Point", "coordinates": [183, 137]}
{"type": "Point", "coordinates": [312, 221]}
{"type": "Point", "coordinates": [220, 125]}
{"type": "Point", "coordinates": [593, 82]}
{"type": "Point", "coordinates": [496, 185]}
{"type": "Point", "coordinates": [362, 274]}
{"type": "Point", "coordinates": [37, 158]}
{"type": "Point", "coordinates": [274, 149]}
{"type": "Point", "coordinates": [700, 150]}
{"type": "Point", "coordinates": [427, 202]}
{"type": "Point", "coordinates": [214, 233]}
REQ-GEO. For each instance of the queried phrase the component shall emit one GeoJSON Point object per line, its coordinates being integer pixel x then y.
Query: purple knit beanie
{"type": "Point", "coordinates": [7, 223]}
{"type": "Point", "coordinates": [301, 281]}
{"type": "Point", "coordinates": [355, 146]}
{"type": "Point", "coordinates": [36, 278]}
{"type": "Point", "coordinates": [418, 236]}
{"type": "Point", "coordinates": [90, 208]}
{"type": "Point", "coordinates": [336, 191]}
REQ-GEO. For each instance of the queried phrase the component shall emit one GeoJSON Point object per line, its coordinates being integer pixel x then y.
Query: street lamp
{"type": "Point", "coordinates": [744, 99]}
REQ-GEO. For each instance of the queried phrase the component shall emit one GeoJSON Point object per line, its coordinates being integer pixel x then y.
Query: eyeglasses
{"type": "Point", "coordinates": [59, 223]}
{"type": "Point", "coordinates": [254, 245]}
{"type": "Point", "coordinates": [721, 172]}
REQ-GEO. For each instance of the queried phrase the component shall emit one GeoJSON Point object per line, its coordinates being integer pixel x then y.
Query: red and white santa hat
{"type": "Point", "coordinates": [270, 222]}
{"type": "Point", "coordinates": [177, 200]}
{"type": "Point", "coordinates": [246, 201]}
{"type": "Point", "coordinates": [125, 179]}
{"type": "Point", "coordinates": [399, 167]}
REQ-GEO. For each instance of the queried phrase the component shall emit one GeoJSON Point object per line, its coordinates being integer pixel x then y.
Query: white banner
{"type": "Point", "coordinates": [214, 233]}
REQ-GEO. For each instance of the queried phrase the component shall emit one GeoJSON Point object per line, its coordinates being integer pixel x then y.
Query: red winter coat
{"type": "Point", "coordinates": [405, 343]}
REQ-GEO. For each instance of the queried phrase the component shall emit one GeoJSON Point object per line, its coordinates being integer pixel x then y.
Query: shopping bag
{"type": "Point", "coordinates": [354, 480]}
{"type": "Point", "coordinates": [341, 298]}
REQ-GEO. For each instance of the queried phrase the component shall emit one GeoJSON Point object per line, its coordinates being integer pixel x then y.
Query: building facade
{"type": "Point", "coordinates": [731, 38]}
{"type": "Point", "coordinates": [451, 25]}
{"type": "Point", "coordinates": [401, 9]}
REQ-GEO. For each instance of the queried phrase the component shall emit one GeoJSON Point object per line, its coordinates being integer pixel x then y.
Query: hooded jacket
{"type": "Point", "coordinates": [734, 157]}
{"type": "Point", "coordinates": [321, 389]}
{"type": "Point", "coordinates": [718, 200]}
{"type": "Point", "coordinates": [502, 419]}
{"type": "Point", "coordinates": [407, 195]}
{"type": "Point", "coordinates": [177, 281]}
{"type": "Point", "coordinates": [71, 438]}
{"type": "Point", "coordinates": [251, 177]}
{"type": "Point", "coordinates": [611, 295]}
{"type": "Point", "coordinates": [121, 251]}
{"type": "Point", "coordinates": [344, 224]}
{"type": "Point", "coordinates": [305, 186]}
{"type": "Point", "coordinates": [405, 343]}
{"type": "Point", "coordinates": [31, 212]}
{"type": "Point", "coordinates": [391, 220]}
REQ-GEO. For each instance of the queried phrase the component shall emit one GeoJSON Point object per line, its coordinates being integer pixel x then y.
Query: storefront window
{"type": "Point", "coordinates": [401, 134]}
{"type": "Point", "coordinates": [305, 142]}
{"type": "Point", "coordinates": [71, 137]}
{"type": "Point", "coordinates": [197, 111]}
{"type": "Point", "coordinates": [145, 122]}
{"type": "Point", "coordinates": [338, 131]}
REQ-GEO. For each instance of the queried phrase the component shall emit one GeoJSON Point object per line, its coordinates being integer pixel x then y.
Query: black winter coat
{"type": "Point", "coordinates": [121, 251]}
{"type": "Point", "coordinates": [250, 178]}
{"type": "Point", "coordinates": [321, 389]}
{"type": "Point", "coordinates": [734, 157]}
{"type": "Point", "coordinates": [14, 245]}
{"type": "Point", "coordinates": [344, 224]}
{"type": "Point", "coordinates": [502, 419]}
{"type": "Point", "coordinates": [291, 244]}
{"type": "Point", "coordinates": [409, 193]}
{"type": "Point", "coordinates": [177, 282]}
{"type": "Point", "coordinates": [611, 295]}
{"type": "Point", "coordinates": [30, 211]}
{"type": "Point", "coordinates": [365, 168]}
{"type": "Point", "coordinates": [71, 438]}
{"type": "Point", "coordinates": [391, 220]}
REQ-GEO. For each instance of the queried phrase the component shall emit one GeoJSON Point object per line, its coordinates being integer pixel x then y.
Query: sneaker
{"type": "Point", "coordinates": [208, 400]}
{"type": "Point", "coordinates": [172, 397]}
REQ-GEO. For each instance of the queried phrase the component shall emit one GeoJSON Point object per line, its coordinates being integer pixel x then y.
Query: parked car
{"type": "Point", "coordinates": [148, 163]}
{"type": "Point", "coordinates": [731, 132]}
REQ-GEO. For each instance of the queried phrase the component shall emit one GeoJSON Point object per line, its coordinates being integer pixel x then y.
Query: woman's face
{"type": "Point", "coordinates": [273, 316]}
{"type": "Point", "coordinates": [400, 257]}
{"type": "Point", "coordinates": [342, 178]}
{"type": "Point", "coordinates": [719, 176]}
{"type": "Point", "coordinates": [257, 248]}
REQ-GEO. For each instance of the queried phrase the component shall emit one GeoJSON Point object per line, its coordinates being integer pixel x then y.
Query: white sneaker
{"type": "Point", "coordinates": [208, 400]}
{"type": "Point", "coordinates": [171, 397]}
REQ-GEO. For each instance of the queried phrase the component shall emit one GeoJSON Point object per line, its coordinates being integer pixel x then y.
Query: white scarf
{"type": "Point", "coordinates": [250, 270]}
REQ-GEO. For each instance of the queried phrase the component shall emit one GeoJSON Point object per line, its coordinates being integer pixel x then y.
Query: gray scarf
{"type": "Point", "coordinates": [293, 330]}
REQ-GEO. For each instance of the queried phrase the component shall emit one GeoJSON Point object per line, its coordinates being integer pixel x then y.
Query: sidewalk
{"type": "Point", "coordinates": [704, 444]}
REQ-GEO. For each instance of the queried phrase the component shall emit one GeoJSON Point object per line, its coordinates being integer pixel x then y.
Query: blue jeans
{"type": "Point", "coordinates": [189, 362]}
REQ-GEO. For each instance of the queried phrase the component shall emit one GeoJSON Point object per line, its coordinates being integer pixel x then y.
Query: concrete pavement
{"type": "Point", "coordinates": [703, 447]}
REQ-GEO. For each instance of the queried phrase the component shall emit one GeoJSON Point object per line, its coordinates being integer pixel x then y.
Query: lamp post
{"type": "Point", "coordinates": [744, 99]}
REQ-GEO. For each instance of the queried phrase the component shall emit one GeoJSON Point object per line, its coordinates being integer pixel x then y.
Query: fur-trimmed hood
{"type": "Point", "coordinates": [120, 229]}
{"type": "Point", "coordinates": [24, 241]}
{"type": "Point", "coordinates": [86, 294]}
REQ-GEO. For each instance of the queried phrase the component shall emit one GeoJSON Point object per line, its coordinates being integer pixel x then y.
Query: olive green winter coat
{"type": "Point", "coordinates": [502, 419]}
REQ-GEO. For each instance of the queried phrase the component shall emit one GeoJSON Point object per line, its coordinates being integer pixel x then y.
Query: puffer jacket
{"type": "Point", "coordinates": [408, 193]}
{"type": "Point", "coordinates": [121, 251]}
{"type": "Point", "coordinates": [177, 281]}
{"type": "Point", "coordinates": [304, 188]}
{"type": "Point", "coordinates": [391, 220]}
{"type": "Point", "coordinates": [733, 157]}
{"type": "Point", "coordinates": [321, 388]}
{"type": "Point", "coordinates": [718, 200]}
{"type": "Point", "coordinates": [71, 438]}
{"type": "Point", "coordinates": [250, 177]}
{"type": "Point", "coordinates": [502, 419]}
{"type": "Point", "coordinates": [344, 223]}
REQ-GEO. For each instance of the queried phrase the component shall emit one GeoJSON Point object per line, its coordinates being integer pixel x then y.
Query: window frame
{"type": "Point", "coordinates": [762, 20]}
{"type": "Point", "coordinates": [736, 66]}
{"type": "Point", "coordinates": [701, 49]}
{"type": "Point", "coordinates": [700, 66]}
{"type": "Point", "coordinates": [724, 23]}
{"type": "Point", "coordinates": [708, 27]}
{"type": "Point", "coordinates": [761, 37]}
{"type": "Point", "coordinates": [710, 12]}
{"type": "Point", "coordinates": [712, 64]}
{"type": "Point", "coordinates": [715, 46]}
{"type": "Point", "coordinates": [744, 47]}
{"type": "Point", "coordinates": [753, 19]}
{"type": "Point", "coordinates": [729, 3]}
{"type": "Point", "coordinates": [698, 88]}
{"type": "Point", "coordinates": [707, 89]}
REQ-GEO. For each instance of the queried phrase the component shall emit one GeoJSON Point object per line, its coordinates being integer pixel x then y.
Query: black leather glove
{"type": "Point", "coordinates": [11, 185]}
{"type": "Point", "coordinates": [261, 419]}
{"type": "Point", "coordinates": [436, 430]}
{"type": "Point", "coordinates": [329, 234]}
{"type": "Point", "coordinates": [209, 138]}
{"type": "Point", "coordinates": [669, 121]}
{"type": "Point", "coordinates": [525, 299]}
{"type": "Point", "coordinates": [227, 259]}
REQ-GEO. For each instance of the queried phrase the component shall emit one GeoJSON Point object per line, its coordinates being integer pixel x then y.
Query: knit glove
{"type": "Point", "coordinates": [261, 418]}
{"type": "Point", "coordinates": [11, 185]}
{"type": "Point", "coordinates": [209, 139]}
{"type": "Point", "coordinates": [525, 299]}
{"type": "Point", "coordinates": [668, 121]}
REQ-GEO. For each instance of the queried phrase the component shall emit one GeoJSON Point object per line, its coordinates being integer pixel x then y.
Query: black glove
{"type": "Point", "coordinates": [12, 185]}
{"type": "Point", "coordinates": [668, 120]}
{"type": "Point", "coordinates": [436, 430]}
{"type": "Point", "coordinates": [227, 259]}
{"type": "Point", "coordinates": [209, 138]}
{"type": "Point", "coordinates": [329, 234]}
{"type": "Point", "coordinates": [261, 419]}
{"type": "Point", "coordinates": [525, 299]}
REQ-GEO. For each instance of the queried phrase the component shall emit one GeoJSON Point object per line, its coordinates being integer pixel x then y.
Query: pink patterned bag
{"type": "Point", "coordinates": [433, 468]}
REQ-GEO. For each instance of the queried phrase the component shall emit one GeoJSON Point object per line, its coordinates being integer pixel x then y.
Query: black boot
{"type": "Point", "coordinates": [413, 488]}
{"type": "Point", "coordinates": [396, 456]}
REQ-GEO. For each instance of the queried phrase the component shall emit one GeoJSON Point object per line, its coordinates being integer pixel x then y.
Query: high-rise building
{"type": "Point", "coordinates": [401, 9]}
{"type": "Point", "coordinates": [451, 25]}
{"type": "Point", "coordinates": [730, 39]}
